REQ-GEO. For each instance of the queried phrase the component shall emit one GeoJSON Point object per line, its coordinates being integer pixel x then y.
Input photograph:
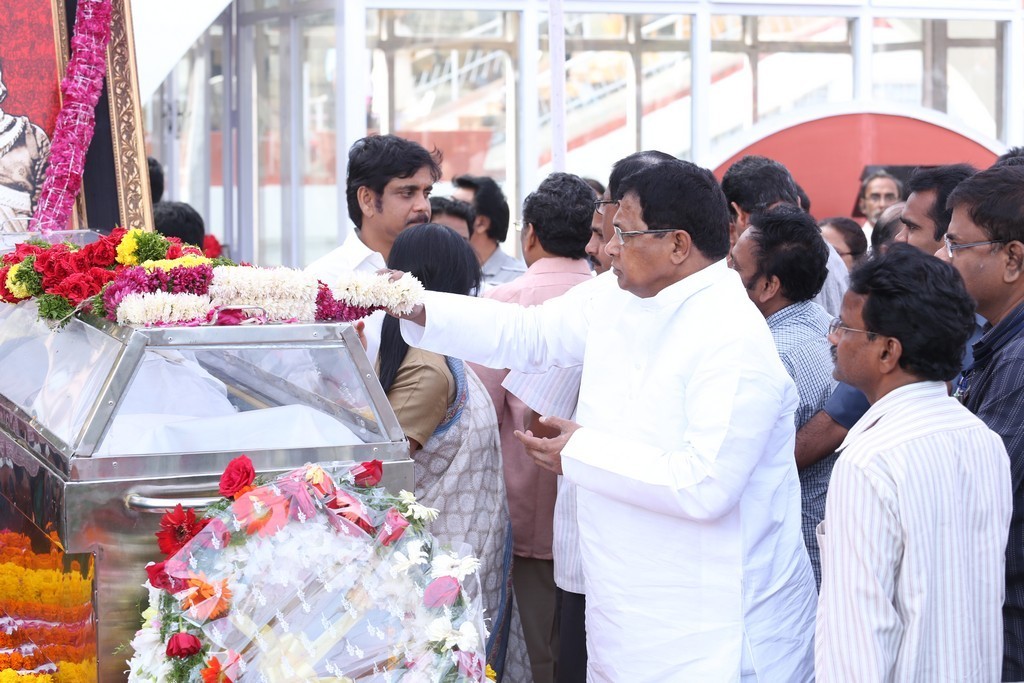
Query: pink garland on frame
{"type": "Point", "coordinates": [81, 88]}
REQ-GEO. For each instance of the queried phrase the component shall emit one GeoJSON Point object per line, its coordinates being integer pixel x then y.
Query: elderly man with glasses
{"type": "Point", "coordinates": [985, 243]}
{"type": "Point", "coordinates": [682, 449]}
{"type": "Point", "coordinates": [918, 507]}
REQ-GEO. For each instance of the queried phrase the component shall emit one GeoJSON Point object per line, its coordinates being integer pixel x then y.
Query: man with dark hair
{"type": "Point", "coordinates": [756, 183]}
{"type": "Point", "coordinates": [556, 392]}
{"type": "Point", "coordinates": [781, 264]}
{"type": "Point", "coordinates": [688, 498]}
{"type": "Point", "coordinates": [923, 223]}
{"type": "Point", "coordinates": [489, 229]}
{"type": "Point", "coordinates": [557, 218]}
{"type": "Point", "coordinates": [925, 217]}
{"type": "Point", "coordinates": [985, 243]}
{"type": "Point", "coordinates": [178, 219]}
{"type": "Point", "coordinates": [919, 504]}
{"type": "Point", "coordinates": [456, 214]}
{"type": "Point", "coordinates": [1011, 157]}
{"type": "Point", "coordinates": [387, 190]}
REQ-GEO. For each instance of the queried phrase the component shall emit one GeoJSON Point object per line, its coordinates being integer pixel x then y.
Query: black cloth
{"type": "Point", "coordinates": [993, 389]}
{"type": "Point", "coordinates": [572, 638]}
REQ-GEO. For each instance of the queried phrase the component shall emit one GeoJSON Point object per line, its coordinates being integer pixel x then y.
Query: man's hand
{"type": "Point", "coordinates": [547, 452]}
{"type": "Point", "coordinates": [418, 314]}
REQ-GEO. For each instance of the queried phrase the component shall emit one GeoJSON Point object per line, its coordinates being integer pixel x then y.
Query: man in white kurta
{"type": "Point", "coordinates": [918, 511]}
{"type": "Point", "coordinates": [689, 501]}
{"type": "Point", "coordinates": [388, 190]}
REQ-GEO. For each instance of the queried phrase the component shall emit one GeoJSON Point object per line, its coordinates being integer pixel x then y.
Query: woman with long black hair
{"type": "Point", "coordinates": [452, 429]}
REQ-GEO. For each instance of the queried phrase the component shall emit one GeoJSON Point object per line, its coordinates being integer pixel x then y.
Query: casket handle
{"type": "Point", "coordinates": [134, 501]}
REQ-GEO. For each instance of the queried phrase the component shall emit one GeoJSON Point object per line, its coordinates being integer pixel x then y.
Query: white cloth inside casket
{"type": "Point", "coordinates": [174, 406]}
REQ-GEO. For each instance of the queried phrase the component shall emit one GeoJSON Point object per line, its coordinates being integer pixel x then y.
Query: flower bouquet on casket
{"type": "Point", "coordinates": [142, 278]}
{"type": "Point", "coordinates": [318, 575]}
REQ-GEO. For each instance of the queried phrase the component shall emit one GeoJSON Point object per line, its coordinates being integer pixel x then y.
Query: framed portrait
{"type": "Point", "coordinates": [34, 50]}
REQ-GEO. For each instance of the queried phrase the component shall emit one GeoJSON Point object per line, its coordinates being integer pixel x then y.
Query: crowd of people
{"type": "Point", "coordinates": [695, 434]}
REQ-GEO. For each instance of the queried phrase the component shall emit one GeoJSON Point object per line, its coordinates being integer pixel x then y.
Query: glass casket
{"type": "Point", "coordinates": [103, 428]}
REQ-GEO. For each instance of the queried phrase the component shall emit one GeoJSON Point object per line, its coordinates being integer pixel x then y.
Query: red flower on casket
{"type": "Point", "coordinates": [183, 645]}
{"type": "Point", "coordinates": [238, 476]}
{"type": "Point", "coordinates": [262, 511]}
{"type": "Point", "coordinates": [177, 528]}
{"type": "Point", "coordinates": [393, 528]}
{"type": "Point", "coordinates": [368, 473]}
{"type": "Point", "coordinates": [346, 505]}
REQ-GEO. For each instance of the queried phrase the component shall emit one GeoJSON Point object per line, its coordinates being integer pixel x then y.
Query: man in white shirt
{"type": "Point", "coordinates": [688, 497]}
{"type": "Point", "coordinates": [388, 190]}
{"type": "Point", "coordinates": [918, 510]}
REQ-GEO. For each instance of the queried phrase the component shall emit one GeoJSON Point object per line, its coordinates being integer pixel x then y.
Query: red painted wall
{"type": "Point", "coordinates": [827, 155]}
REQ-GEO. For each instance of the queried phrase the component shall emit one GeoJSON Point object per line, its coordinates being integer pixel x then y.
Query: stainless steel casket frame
{"type": "Point", "coordinates": [106, 505]}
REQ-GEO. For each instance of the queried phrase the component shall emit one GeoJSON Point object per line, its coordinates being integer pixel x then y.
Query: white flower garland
{"type": "Point", "coordinates": [374, 290]}
{"type": "Point", "coordinates": [162, 308]}
{"type": "Point", "coordinates": [284, 293]}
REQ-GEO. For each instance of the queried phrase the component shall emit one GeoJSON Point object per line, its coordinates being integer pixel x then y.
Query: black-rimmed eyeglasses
{"type": "Point", "coordinates": [600, 204]}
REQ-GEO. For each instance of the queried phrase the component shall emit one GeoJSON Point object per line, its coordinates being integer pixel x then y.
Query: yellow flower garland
{"type": "Point", "coordinates": [126, 249]}
{"type": "Point", "coordinates": [16, 288]}
{"type": "Point", "coordinates": [187, 260]}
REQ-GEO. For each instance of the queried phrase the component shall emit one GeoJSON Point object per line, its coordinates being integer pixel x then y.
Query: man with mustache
{"type": "Point", "coordinates": [388, 190]}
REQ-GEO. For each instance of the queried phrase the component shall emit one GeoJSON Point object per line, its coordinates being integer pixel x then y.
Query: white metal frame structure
{"type": "Point", "coordinates": [290, 229]}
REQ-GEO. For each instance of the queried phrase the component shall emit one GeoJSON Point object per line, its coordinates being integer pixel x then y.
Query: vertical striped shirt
{"type": "Point", "coordinates": [912, 545]}
{"type": "Point", "coordinates": [556, 392]}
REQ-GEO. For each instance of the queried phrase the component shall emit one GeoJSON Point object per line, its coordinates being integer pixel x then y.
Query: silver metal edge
{"type": "Point", "coordinates": [381, 406]}
{"type": "Point", "coordinates": [111, 394]}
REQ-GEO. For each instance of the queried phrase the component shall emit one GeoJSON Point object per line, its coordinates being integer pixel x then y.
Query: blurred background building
{"type": "Point", "coordinates": [252, 104]}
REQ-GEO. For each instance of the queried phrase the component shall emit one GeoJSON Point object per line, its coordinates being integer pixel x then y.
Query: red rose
{"type": "Point", "coordinates": [177, 528]}
{"type": "Point", "coordinates": [238, 476]}
{"type": "Point", "coordinates": [102, 253]}
{"type": "Point", "coordinates": [54, 265]}
{"type": "Point", "coordinates": [183, 645]}
{"type": "Point", "coordinates": [159, 578]}
{"type": "Point", "coordinates": [24, 250]}
{"type": "Point", "coordinates": [174, 248]}
{"type": "Point", "coordinates": [211, 246]}
{"type": "Point", "coordinates": [368, 473]}
{"type": "Point", "coordinates": [76, 287]}
{"type": "Point", "coordinates": [394, 526]}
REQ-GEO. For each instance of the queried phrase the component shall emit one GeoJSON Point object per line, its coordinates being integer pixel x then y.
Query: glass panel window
{"type": "Point", "coordinates": [269, 130]}
{"type": "Point", "coordinates": [318, 193]}
{"type": "Point", "coordinates": [949, 66]}
{"type": "Point", "coordinates": [766, 66]}
{"type": "Point", "coordinates": [627, 87]}
{"type": "Point", "coordinates": [445, 79]}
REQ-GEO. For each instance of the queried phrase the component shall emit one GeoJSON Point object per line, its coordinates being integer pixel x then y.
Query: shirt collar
{"type": "Point", "coordinates": [559, 264]}
{"type": "Point", "coordinates": [679, 292]}
{"type": "Point", "coordinates": [784, 315]}
{"type": "Point", "coordinates": [895, 401]}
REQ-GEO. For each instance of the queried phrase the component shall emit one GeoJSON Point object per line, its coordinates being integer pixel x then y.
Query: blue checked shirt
{"type": "Point", "coordinates": [800, 332]}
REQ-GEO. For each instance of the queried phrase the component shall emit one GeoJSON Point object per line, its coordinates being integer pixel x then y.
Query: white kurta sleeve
{"type": "Point", "coordinates": [858, 631]}
{"type": "Point", "coordinates": [733, 414]}
{"type": "Point", "coordinates": [503, 335]}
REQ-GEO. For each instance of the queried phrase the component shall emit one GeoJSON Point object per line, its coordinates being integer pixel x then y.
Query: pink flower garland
{"type": "Point", "coordinates": [76, 121]}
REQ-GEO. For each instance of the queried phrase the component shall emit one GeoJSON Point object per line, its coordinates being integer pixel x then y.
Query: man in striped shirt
{"type": "Point", "coordinates": [918, 510]}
